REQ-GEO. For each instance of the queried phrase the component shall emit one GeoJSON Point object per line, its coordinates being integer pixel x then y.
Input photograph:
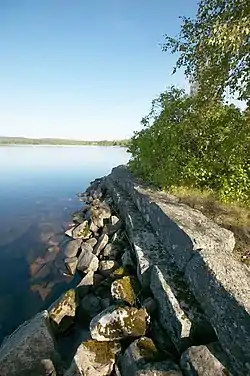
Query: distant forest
{"type": "Point", "coordinates": [58, 141]}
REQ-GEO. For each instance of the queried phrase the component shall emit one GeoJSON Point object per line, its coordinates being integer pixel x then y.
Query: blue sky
{"type": "Point", "coordinates": [84, 69]}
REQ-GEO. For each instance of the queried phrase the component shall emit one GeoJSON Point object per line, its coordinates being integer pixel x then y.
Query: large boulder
{"type": "Point", "coordinates": [62, 312]}
{"type": "Point", "coordinates": [204, 361]}
{"type": "Point", "coordinates": [117, 322]}
{"type": "Point", "coordinates": [94, 358]}
{"type": "Point", "coordinates": [142, 358]}
{"type": "Point", "coordinates": [22, 352]}
{"type": "Point", "coordinates": [123, 289]}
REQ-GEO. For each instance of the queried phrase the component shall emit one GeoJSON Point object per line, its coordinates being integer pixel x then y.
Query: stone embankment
{"type": "Point", "coordinates": [160, 293]}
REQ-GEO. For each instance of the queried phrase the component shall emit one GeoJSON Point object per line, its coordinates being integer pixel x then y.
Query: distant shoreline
{"type": "Point", "coordinates": [21, 141]}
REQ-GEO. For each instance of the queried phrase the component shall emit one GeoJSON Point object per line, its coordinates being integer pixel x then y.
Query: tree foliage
{"type": "Point", "coordinates": [214, 48]}
{"type": "Point", "coordinates": [186, 142]}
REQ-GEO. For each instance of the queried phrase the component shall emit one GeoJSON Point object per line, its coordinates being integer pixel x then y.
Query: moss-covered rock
{"type": "Point", "coordinates": [82, 231]}
{"type": "Point", "coordinates": [94, 358]}
{"type": "Point", "coordinates": [62, 312]}
{"type": "Point", "coordinates": [123, 289]}
{"type": "Point", "coordinates": [117, 322]}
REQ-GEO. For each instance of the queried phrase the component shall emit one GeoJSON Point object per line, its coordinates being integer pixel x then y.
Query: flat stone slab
{"type": "Point", "coordinates": [202, 251]}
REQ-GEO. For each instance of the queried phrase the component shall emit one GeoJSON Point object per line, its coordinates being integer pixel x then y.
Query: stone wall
{"type": "Point", "coordinates": [187, 261]}
{"type": "Point", "coordinates": [157, 293]}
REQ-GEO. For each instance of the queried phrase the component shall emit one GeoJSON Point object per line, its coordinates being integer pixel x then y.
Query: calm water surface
{"type": "Point", "coordinates": [37, 194]}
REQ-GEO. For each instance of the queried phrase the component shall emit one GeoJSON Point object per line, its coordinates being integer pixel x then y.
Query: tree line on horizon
{"type": "Point", "coordinates": [58, 141]}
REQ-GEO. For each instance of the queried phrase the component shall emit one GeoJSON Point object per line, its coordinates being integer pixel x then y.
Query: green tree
{"type": "Point", "coordinates": [214, 48]}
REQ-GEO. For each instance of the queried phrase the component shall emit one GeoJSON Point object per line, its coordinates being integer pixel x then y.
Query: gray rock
{"type": "Point", "coordinates": [48, 366]}
{"type": "Point", "coordinates": [137, 355]}
{"type": "Point", "coordinates": [86, 247]}
{"type": "Point", "coordinates": [105, 303]}
{"type": "Point", "coordinates": [203, 252]}
{"type": "Point", "coordinates": [69, 232]}
{"type": "Point", "coordinates": [93, 227]}
{"type": "Point", "coordinates": [21, 353]}
{"type": "Point", "coordinates": [71, 263]}
{"type": "Point", "coordinates": [123, 289]}
{"type": "Point", "coordinates": [116, 323]}
{"type": "Point", "coordinates": [92, 241]}
{"type": "Point", "coordinates": [101, 244]}
{"type": "Point", "coordinates": [162, 339]}
{"type": "Point", "coordinates": [72, 248]}
{"type": "Point", "coordinates": [179, 226]}
{"type": "Point", "coordinates": [62, 312]}
{"type": "Point", "coordinates": [114, 220]}
{"type": "Point", "coordinates": [164, 368]}
{"type": "Point", "coordinates": [127, 261]}
{"type": "Point", "coordinates": [110, 251]}
{"type": "Point", "coordinates": [81, 231]}
{"type": "Point", "coordinates": [106, 267]}
{"type": "Point", "coordinates": [150, 305]}
{"type": "Point", "coordinates": [203, 361]}
{"type": "Point", "coordinates": [112, 228]}
{"type": "Point", "coordinates": [94, 359]}
{"type": "Point", "coordinates": [91, 305]}
{"type": "Point", "coordinates": [140, 358]}
{"type": "Point", "coordinates": [147, 249]}
{"type": "Point", "coordinates": [87, 262]}
{"type": "Point", "coordinates": [172, 317]}
{"type": "Point", "coordinates": [100, 212]}
{"type": "Point", "coordinates": [78, 217]}
{"type": "Point", "coordinates": [83, 287]}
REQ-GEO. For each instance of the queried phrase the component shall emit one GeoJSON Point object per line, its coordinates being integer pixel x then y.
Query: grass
{"type": "Point", "coordinates": [234, 217]}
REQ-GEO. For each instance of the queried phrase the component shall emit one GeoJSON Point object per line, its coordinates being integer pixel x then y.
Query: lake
{"type": "Point", "coordinates": [37, 195]}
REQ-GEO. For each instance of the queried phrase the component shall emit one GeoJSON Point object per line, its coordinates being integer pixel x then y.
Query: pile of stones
{"type": "Point", "coordinates": [124, 335]}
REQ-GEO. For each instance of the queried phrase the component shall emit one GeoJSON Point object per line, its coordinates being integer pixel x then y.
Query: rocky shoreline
{"type": "Point", "coordinates": [115, 321]}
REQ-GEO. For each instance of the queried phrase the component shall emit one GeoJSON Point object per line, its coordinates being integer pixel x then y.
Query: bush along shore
{"type": "Point", "coordinates": [113, 322]}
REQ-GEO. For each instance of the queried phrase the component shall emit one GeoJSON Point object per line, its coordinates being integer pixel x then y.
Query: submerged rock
{"type": "Point", "coordinates": [94, 359]}
{"type": "Point", "coordinates": [123, 289]}
{"type": "Point", "coordinates": [62, 312]}
{"type": "Point", "coordinates": [116, 323]}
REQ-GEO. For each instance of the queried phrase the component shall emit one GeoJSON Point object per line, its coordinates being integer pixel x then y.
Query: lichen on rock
{"type": "Point", "coordinates": [117, 322]}
{"type": "Point", "coordinates": [94, 358]}
{"type": "Point", "coordinates": [62, 312]}
{"type": "Point", "coordinates": [123, 289]}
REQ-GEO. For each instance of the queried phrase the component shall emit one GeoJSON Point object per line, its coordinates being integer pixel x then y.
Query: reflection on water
{"type": "Point", "coordinates": [37, 196]}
